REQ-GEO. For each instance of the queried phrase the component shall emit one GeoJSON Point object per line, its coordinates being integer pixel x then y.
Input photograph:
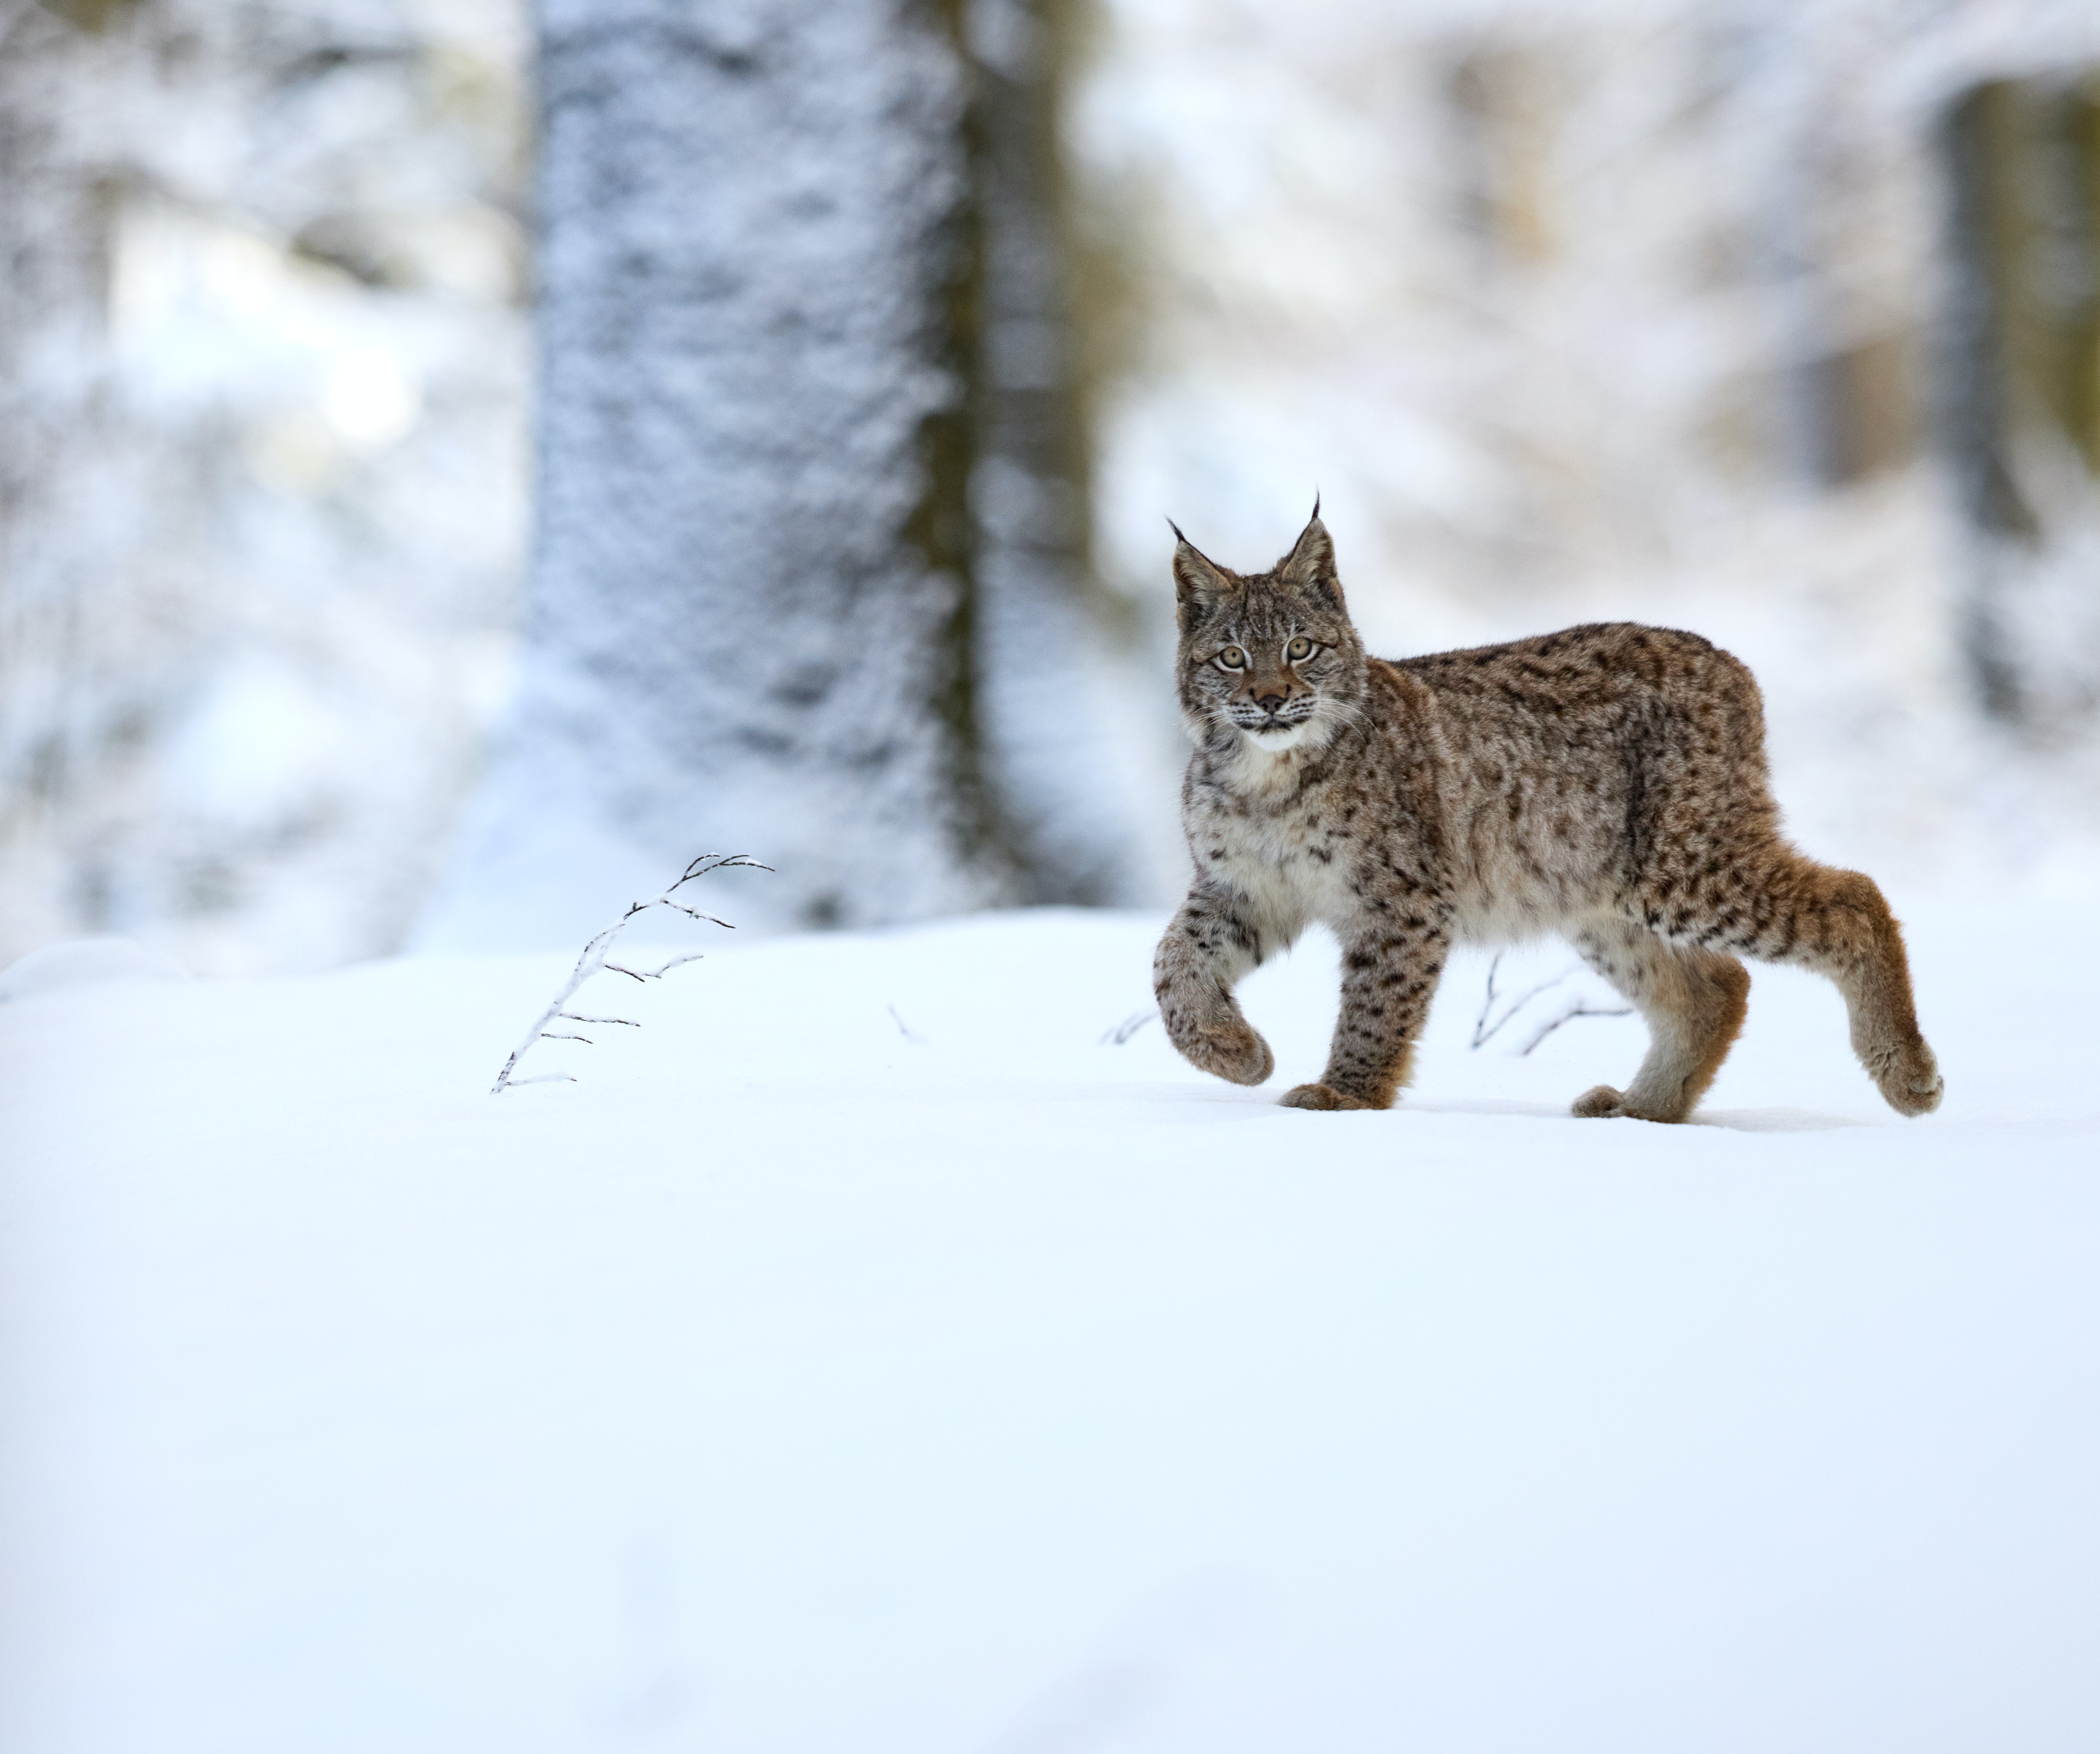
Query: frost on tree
{"type": "Point", "coordinates": [754, 615]}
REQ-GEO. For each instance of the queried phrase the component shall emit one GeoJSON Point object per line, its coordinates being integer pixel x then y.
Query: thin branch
{"type": "Point", "coordinates": [1484, 1032]}
{"type": "Point", "coordinates": [710, 862]}
{"type": "Point", "coordinates": [1569, 1013]}
{"type": "Point", "coordinates": [678, 962]}
{"type": "Point", "coordinates": [1123, 1031]}
{"type": "Point", "coordinates": [543, 1077]}
{"type": "Point", "coordinates": [905, 1029]}
{"type": "Point", "coordinates": [594, 961]}
{"type": "Point", "coordinates": [698, 915]}
{"type": "Point", "coordinates": [1487, 1004]}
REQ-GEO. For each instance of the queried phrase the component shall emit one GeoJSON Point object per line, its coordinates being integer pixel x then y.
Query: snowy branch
{"type": "Point", "coordinates": [1484, 1029]}
{"type": "Point", "coordinates": [1570, 1010]}
{"type": "Point", "coordinates": [1497, 1008]}
{"type": "Point", "coordinates": [593, 961]}
{"type": "Point", "coordinates": [1123, 1031]}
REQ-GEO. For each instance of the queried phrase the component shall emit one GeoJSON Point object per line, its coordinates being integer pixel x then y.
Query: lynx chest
{"type": "Point", "coordinates": [1296, 859]}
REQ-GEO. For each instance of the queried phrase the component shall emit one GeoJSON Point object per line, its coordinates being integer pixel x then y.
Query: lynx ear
{"type": "Point", "coordinates": [1310, 564]}
{"type": "Point", "coordinates": [1197, 578]}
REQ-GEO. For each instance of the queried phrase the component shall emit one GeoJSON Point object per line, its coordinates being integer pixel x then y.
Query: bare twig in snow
{"type": "Point", "coordinates": [593, 961]}
{"type": "Point", "coordinates": [1123, 1031]}
{"type": "Point", "coordinates": [1488, 1026]}
{"type": "Point", "coordinates": [1569, 1011]}
{"type": "Point", "coordinates": [1484, 1031]}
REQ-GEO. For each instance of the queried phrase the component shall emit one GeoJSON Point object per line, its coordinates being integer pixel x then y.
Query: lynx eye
{"type": "Point", "coordinates": [1232, 657]}
{"type": "Point", "coordinates": [1300, 648]}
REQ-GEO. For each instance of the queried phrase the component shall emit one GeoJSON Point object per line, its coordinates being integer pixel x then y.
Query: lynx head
{"type": "Point", "coordinates": [1271, 659]}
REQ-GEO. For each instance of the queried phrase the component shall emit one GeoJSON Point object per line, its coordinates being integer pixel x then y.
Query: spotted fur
{"type": "Point", "coordinates": [1606, 783]}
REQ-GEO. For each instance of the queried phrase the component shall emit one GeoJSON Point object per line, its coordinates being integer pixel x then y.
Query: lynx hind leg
{"type": "Point", "coordinates": [1837, 924]}
{"type": "Point", "coordinates": [1692, 1001]}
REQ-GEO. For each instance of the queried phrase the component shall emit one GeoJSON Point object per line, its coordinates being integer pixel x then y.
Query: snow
{"type": "Point", "coordinates": [82, 962]}
{"type": "Point", "coordinates": [864, 1355]}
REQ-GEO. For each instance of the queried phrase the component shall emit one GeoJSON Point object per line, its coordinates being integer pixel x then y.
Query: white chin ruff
{"type": "Point", "coordinates": [1284, 737]}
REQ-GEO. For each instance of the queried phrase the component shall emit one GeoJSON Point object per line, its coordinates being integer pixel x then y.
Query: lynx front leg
{"type": "Point", "coordinates": [1387, 982]}
{"type": "Point", "coordinates": [1214, 941]}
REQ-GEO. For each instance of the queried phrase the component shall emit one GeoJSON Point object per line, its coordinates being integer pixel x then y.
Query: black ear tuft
{"type": "Point", "coordinates": [1310, 564]}
{"type": "Point", "coordinates": [1196, 576]}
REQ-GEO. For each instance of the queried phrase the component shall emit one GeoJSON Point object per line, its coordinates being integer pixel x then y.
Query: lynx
{"type": "Point", "coordinates": [1606, 783]}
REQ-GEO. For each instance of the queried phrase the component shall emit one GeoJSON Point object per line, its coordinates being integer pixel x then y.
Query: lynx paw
{"type": "Point", "coordinates": [1321, 1096]}
{"type": "Point", "coordinates": [1603, 1103]}
{"type": "Point", "coordinates": [1235, 1053]}
{"type": "Point", "coordinates": [1911, 1083]}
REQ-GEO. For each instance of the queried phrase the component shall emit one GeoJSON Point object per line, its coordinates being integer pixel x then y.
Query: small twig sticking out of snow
{"type": "Point", "coordinates": [1485, 1031]}
{"type": "Point", "coordinates": [676, 962]}
{"type": "Point", "coordinates": [593, 960]}
{"type": "Point", "coordinates": [1123, 1031]}
{"type": "Point", "coordinates": [1570, 1010]}
{"type": "Point", "coordinates": [906, 1030]}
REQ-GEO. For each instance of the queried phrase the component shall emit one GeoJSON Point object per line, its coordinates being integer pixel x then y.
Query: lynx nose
{"type": "Point", "coordinates": [1269, 702]}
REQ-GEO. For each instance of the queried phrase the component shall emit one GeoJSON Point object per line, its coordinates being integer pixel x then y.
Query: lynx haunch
{"type": "Point", "coordinates": [1606, 783]}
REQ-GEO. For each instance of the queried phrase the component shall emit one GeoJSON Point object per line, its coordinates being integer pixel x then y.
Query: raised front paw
{"type": "Point", "coordinates": [1232, 1050]}
{"type": "Point", "coordinates": [1910, 1083]}
{"type": "Point", "coordinates": [1321, 1096]}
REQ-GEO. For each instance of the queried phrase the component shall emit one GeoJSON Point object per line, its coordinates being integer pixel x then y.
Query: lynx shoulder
{"type": "Point", "coordinates": [1606, 784]}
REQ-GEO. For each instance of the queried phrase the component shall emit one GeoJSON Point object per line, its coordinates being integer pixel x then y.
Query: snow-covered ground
{"type": "Point", "coordinates": [864, 1355]}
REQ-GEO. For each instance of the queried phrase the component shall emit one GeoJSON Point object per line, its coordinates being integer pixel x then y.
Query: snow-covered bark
{"type": "Point", "coordinates": [811, 578]}
{"type": "Point", "coordinates": [1055, 710]}
{"type": "Point", "coordinates": [750, 617]}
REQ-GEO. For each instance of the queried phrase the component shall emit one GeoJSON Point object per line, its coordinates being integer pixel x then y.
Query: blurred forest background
{"type": "Point", "coordinates": [456, 463]}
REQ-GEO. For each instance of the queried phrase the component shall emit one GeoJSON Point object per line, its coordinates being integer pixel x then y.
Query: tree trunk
{"type": "Point", "coordinates": [2021, 411]}
{"type": "Point", "coordinates": [1047, 697]}
{"type": "Point", "coordinates": [752, 623]}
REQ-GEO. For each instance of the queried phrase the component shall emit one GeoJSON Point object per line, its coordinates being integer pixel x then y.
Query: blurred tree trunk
{"type": "Point", "coordinates": [2021, 409]}
{"type": "Point", "coordinates": [755, 595]}
{"type": "Point", "coordinates": [1046, 718]}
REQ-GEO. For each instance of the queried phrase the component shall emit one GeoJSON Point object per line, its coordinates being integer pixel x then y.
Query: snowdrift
{"type": "Point", "coordinates": [871, 1353]}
